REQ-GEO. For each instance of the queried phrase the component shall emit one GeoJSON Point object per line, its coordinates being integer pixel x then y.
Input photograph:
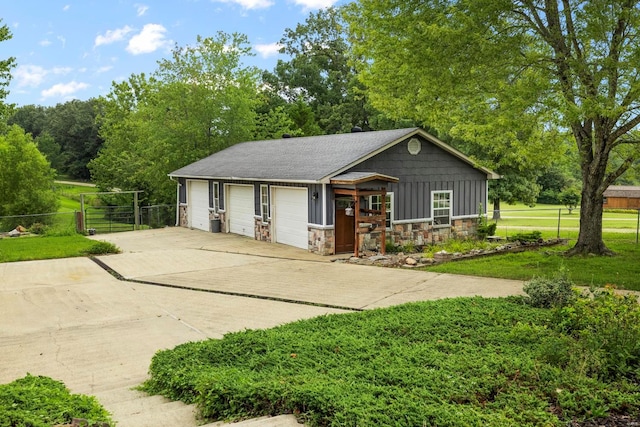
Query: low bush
{"type": "Point", "coordinates": [533, 236]}
{"type": "Point", "coordinates": [102, 248]}
{"type": "Point", "coordinates": [606, 327]}
{"type": "Point", "coordinates": [455, 362]}
{"type": "Point", "coordinates": [486, 229]}
{"type": "Point", "coordinates": [38, 228]}
{"type": "Point", "coordinates": [547, 292]}
{"type": "Point", "coordinates": [36, 401]}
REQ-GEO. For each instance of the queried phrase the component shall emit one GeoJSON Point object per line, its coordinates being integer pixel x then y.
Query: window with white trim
{"type": "Point", "coordinates": [441, 207]}
{"type": "Point", "coordinates": [216, 196]}
{"type": "Point", "coordinates": [264, 202]}
{"type": "Point", "coordinates": [374, 203]}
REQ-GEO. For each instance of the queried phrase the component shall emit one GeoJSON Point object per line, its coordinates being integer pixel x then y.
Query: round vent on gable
{"type": "Point", "coordinates": [414, 146]}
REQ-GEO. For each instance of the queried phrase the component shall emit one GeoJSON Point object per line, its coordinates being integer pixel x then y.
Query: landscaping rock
{"type": "Point", "coordinates": [410, 261]}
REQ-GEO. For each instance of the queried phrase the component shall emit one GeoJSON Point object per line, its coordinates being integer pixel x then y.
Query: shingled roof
{"type": "Point", "coordinates": [310, 159]}
{"type": "Point", "coordinates": [622, 191]}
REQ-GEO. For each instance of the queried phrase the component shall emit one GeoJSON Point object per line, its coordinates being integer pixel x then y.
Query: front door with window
{"type": "Point", "coordinates": [345, 227]}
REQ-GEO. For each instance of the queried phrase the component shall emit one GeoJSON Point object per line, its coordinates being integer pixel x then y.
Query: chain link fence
{"type": "Point", "coordinates": [95, 220]}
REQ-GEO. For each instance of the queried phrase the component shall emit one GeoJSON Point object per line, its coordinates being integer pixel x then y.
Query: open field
{"type": "Point", "coordinates": [551, 218]}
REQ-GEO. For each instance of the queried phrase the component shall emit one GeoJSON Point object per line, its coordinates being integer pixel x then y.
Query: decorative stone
{"type": "Point", "coordinates": [378, 258]}
{"type": "Point", "coordinates": [410, 261]}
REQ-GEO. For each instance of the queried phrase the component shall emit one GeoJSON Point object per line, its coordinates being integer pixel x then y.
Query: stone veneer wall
{"type": "Point", "coordinates": [422, 233]}
{"type": "Point", "coordinates": [322, 241]}
{"type": "Point", "coordinates": [262, 231]}
{"type": "Point", "coordinates": [184, 221]}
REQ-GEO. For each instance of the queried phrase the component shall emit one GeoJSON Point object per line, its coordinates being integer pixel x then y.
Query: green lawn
{"type": "Point", "coordinates": [50, 247]}
{"type": "Point", "coordinates": [621, 270]}
{"type": "Point", "coordinates": [456, 362]}
{"type": "Point", "coordinates": [515, 218]}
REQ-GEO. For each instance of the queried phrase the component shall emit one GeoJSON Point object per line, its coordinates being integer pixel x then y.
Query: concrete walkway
{"type": "Point", "coordinates": [73, 321]}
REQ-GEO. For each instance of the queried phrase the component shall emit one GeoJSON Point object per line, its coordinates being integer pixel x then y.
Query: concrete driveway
{"type": "Point", "coordinates": [73, 321]}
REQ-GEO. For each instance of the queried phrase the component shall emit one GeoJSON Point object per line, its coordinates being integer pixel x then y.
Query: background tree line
{"type": "Point", "coordinates": [544, 93]}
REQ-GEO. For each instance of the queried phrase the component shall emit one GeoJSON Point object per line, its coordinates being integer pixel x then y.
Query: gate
{"type": "Point", "coordinates": [109, 219]}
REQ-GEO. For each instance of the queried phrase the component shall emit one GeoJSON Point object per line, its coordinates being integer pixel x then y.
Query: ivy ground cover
{"type": "Point", "coordinates": [456, 362]}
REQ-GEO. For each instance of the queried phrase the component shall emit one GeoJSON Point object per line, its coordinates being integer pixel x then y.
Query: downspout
{"type": "Point", "coordinates": [177, 201]}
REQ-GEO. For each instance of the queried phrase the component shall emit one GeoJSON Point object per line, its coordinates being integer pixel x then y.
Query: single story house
{"type": "Point", "coordinates": [621, 197]}
{"type": "Point", "coordinates": [331, 194]}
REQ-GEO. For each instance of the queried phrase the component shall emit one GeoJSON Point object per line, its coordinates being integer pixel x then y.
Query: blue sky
{"type": "Point", "coordinates": [75, 49]}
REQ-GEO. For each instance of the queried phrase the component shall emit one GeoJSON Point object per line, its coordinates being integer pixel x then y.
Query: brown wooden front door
{"type": "Point", "coordinates": [345, 228]}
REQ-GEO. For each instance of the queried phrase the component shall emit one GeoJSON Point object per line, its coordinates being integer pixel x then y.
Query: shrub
{"type": "Point", "coordinates": [38, 228]}
{"type": "Point", "coordinates": [606, 325]}
{"type": "Point", "coordinates": [547, 292]}
{"type": "Point", "coordinates": [102, 248]}
{"type": "Point", "coordinates": [486, 229]}
{"type": "Point", "coordinates": [533, 236]}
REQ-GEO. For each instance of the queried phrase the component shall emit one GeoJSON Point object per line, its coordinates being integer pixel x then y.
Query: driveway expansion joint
{"type": "Point", "coordinates": [122, 278]}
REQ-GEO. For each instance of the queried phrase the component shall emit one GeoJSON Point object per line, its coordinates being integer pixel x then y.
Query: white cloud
{"type": "Point", "coordinates": [66, 7]}
{"type": "Point", "coordinates": [64, 89]}
{"type": "Point", "coordinates": [150, 39]}
{"type": "Point", "coordinates": [29, 75]}
{"type": "Point", "coordinates": [250, 4]}
{"type": "Point", "coordinates": [45, 42]}
{"type": "Point", "coordinates": [62, 40]}
{"type": "Point", "coordinates": [34, 75]}
{"type": "Point", "coordinates": [141, 9]}
{"type": "Point", "coordinates": [112, 36]}
{"type": "Point", "coordinates": [315, 4]}
{"type": "Point", "coordinates": [60, 71]}
{"type": "Point", "coordinates": [268, 50]}
{"type": "Point", "coordinates": [104, 69]}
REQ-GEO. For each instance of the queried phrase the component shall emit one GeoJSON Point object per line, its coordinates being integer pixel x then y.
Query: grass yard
{"type": "Point", "coordinates": [456, 362]}
{"type": "Point", "coordinates": [621, 270]}
{"type": "Point", "coordinates": [50, 247]}
{"type": "Point", "coordinates": [516, 218]}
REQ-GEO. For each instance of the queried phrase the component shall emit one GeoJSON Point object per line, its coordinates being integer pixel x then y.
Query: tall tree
{"type": "Point", "coordinates": [196, 103]}
{"type": "Point", "coordinates": [31, 118]}
{"type": "Point", "coordinates": [319, 73]}
{"type": "Point", "coordinates": [26, 179]}
{"type": "Point", "coordinates": [6, 65]}
{"type": "Point", "coordinates": [74, 128]}
{"type": "Point", "coordinates": [513, 65]}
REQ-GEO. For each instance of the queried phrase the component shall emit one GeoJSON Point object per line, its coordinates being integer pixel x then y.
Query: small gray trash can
{"type": "Point", "coordinates": [215, 225]}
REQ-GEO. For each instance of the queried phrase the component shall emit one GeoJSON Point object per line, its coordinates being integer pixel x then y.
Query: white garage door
{"type": "Point", "coordinates": [199, 205]}
{"type": "Point", "coordinates": [240, 210]}
{"type": "Point", "coordinates": [290, 211]}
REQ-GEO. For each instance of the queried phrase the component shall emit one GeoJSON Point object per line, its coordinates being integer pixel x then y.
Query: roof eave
{"type": "Point", "coordinates": [237, 178]}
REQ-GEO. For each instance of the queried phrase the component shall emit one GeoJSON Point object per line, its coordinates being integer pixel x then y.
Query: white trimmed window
{"type": "Point", "coordinates": [264, 202]}
{"type": "Point", "coordinates": [375, 203]}
{"type": "Point", "coordinates": [441, 207]}
{"type": "Point", "coordinates": [216, 197]}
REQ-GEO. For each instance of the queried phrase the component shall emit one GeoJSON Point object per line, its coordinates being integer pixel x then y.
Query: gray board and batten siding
{"type": "Point", "coordinates": [432, 169]}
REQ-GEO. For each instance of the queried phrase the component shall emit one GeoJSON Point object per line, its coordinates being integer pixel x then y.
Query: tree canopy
{"type": "Point", "coordinates": [196, 103]}
{"type": "Point", "coordinates": [26, 179]}
{"type": "Point", "coordinates": [6, 65]}
{"type": "Point", "coordinates": [495, 72]}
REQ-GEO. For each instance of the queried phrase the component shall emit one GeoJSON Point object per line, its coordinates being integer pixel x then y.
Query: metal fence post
{"type": "Point", "coordinates": [638, 226]}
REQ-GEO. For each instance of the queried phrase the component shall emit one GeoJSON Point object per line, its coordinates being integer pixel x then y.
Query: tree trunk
{"type": "Point", "coordinates": [590, 235]}
{"type": "Point", "coordinates": [496, 209]}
